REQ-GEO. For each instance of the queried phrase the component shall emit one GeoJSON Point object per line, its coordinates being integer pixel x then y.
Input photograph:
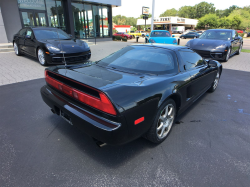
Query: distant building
{"type": "Point", "coordinates": [84, 19]}
{"type": "Point", "coordinates": [122, 28]}
{"type": "Point", "coordinates": [167, 23]}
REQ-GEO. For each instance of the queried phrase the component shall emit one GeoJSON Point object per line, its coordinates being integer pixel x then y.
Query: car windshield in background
{"type": "Point", "coordinates": [141, 59]}
{"type": "Point", "coordinates": [216, 35]}
{"type": "Point", "coordinates": [160, 34]}
{"type": "Point", "coordinates": [45, 34]}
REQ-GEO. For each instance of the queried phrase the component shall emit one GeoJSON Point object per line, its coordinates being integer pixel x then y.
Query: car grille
{"type": "Point", "coordinates": [71, 59]}
{"type": "Point", "coordinates": [205, 54]}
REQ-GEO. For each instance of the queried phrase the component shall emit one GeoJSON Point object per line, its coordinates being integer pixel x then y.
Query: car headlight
{"type": "Point", "coordinates": [51, 47]}
{"type": "Point", "coordinates": [85, 45]}
{"type": "Point", "coordinates": [221, 47]}
{"type": "Point", "coordinates": [151, 41]}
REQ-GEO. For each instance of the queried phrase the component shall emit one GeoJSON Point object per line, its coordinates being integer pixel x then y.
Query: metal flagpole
{"type": "Point", "coordinates": [152, 18]}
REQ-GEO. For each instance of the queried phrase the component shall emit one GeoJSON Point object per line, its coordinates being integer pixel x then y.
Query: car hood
{"type": "Point", "coordinates": [167, 40]}
{"type": "Point", "coordinates": [207, 44]}
{"type": "Point", "coordinates": [100, 77]}
{"type": "Point", "coordinates": [69, 46]}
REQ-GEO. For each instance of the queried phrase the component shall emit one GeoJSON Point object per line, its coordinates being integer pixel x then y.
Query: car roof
{"type": "Point", "coordinates": [42, 28]}
{"type": "Point", "coordinates": [220, 30]}
{"type": "Point", "coordinates": [166, 46]}
{"type": "Point", "coordinates": [159, 30]}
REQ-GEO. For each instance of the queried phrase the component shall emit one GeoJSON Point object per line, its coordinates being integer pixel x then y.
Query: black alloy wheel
{"type": "Point", "coordinates": [215, 83]}
{"type": "Point", "coordinates": [16, 49]}
{"type": "Point", "coordinates": [228, 55]}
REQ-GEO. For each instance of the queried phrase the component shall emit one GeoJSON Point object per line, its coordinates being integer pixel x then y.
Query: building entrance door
{"type": "Point", "coordinates": [34, 18]}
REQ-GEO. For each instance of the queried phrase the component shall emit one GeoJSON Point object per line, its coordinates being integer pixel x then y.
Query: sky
{"type": "Point", "coordinates": [133, 8]}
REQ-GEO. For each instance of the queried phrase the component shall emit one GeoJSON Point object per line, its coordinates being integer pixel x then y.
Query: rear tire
{"type": "Point", "coordinates": [239, 50]}
{"type": "Point", "coordinates": [228, 55]}
{"type": "Point", "coordinates": [163, 122]}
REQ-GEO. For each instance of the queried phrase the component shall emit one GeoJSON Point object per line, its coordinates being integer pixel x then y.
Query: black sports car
{"type": "Point", "coordinates": [50, 45]}
{"type": "Point", "coordinates": [137, 91]}
{"type": "Point", "coordinates": [217, 44]}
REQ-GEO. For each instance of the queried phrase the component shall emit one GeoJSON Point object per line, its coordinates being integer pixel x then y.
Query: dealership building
{"type": "Point", "coordinates": [167, 23]}
{"type": "Point", "coordinates": [84, 19]}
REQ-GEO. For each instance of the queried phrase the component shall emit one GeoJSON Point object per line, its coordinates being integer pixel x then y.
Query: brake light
{"type": "Point", "coordinates": [103, 104]}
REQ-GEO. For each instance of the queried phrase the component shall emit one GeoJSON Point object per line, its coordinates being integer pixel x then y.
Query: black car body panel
{"type": "Point", "coordinates": [73, 49]}
{"type": "Point", "coordinates": [133, 96]}
{"type": "Point", "coordinates": [216, 48]}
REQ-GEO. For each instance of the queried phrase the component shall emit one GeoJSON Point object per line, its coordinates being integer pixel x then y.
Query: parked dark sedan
{"type": "Point", "coordinates": [50, 45]}
{"type": "Point", "coordinates": [190, 35]}
{"type": "Point", "coordinates": [217, 44]}
{"type": "Point", "coordinates": [137, 91]}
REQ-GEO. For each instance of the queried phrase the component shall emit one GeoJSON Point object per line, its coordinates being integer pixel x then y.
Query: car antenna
{"type": "Point", "coordinates": [64, 61]}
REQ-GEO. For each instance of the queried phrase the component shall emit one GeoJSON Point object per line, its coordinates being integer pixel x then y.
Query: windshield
{"type": "Point", "coordinates": [44, 34]}
{"type": "Point", "coordinates": [141, 59]}
{"type": "Point", "coordinates": [160, 34]}
{"type": "Point", "coordinates": [216, 35]}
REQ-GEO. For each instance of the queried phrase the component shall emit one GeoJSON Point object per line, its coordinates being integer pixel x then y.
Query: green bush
{"type": "Point", "coordinates": [124, 39]}
{"type": "Point", "coordinates": [117, 38]}
{"type": "Point", "coordinates": [241, 34]}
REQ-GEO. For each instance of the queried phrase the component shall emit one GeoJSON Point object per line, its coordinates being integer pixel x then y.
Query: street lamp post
{"type": "Point", "coordinates": [153, 12]}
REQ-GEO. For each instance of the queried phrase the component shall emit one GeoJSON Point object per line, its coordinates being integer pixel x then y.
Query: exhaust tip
{"type": "Point", "coordinates": [52, 110]}
{"type": "Point", "coordinates": [99, 143]}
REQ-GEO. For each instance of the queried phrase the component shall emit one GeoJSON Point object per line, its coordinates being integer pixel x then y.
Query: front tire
{"type": "Point", "coordinates": [17, 50]}
{"type": "Point", "coordinates": [163, 122]}
{"type": "Point", "coordinates": [215, 83]}
{"type": "Point", "coordinates": [41, 57]}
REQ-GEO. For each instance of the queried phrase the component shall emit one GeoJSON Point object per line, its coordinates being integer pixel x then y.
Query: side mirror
{"type": "Point", "coordinates": [28, 37]}
{"type": "Point", "coordinates": [173, 36]}
{"type": "Point", "coordinates": [212, 63]}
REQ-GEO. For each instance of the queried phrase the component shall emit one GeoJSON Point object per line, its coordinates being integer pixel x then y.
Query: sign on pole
{"type": "Point", "coordinates": [145, 11]}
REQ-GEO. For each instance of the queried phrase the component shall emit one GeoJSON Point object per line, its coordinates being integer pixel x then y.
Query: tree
{"type": "Point", "coordinates": [209, 20]}
{"type": "Point", "coordinates": [203, 8]}
{"type": "Point", "coordinates": [224, 23]}
{"type": "Point", "coordinates": [186, 12]}
{"type": "Point", "coordinates": [229, 10]}
{"type": "Point", "coordinates": [236, 21]}
{"type": "Point", "coordinates": [169, 12]}
{"type": "Point", "coordinates": [242, 15]}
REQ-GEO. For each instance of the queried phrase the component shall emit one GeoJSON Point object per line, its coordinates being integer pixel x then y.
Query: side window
{"type": "Point", "coordinates": [191, 59]}
{"type": "Point", "coordinates": [22, 32]}
{"type": "Point", "coordinates": [233, 34]}
{"type": "Point", "coordinates": [30, 33]}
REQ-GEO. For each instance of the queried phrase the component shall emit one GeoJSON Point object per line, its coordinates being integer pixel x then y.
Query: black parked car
{"type": "Point", "coordinates": [217, 44]}
{"type": "Point", "coordinates": [190, 35]}
{"type": "Point", "coordinates": [49, 45]}
{"type": "Point", "coordinates": [137, 91]}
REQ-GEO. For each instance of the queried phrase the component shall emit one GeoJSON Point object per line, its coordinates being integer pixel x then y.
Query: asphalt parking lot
{"type": "Point", "coordinates": [208, 146]}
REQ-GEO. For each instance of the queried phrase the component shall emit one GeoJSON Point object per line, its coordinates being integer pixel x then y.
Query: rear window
{"type": "Point", "coordinates": [160, 34]}
{"type": "Point", "coordinates": [142, 59]}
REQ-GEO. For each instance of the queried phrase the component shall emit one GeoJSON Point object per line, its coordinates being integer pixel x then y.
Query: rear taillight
{"type": "Point", "coordinates": [102, 103]}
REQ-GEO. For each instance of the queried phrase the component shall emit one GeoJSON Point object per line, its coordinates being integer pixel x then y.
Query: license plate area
{"type": "Point", "coordinates": [66, 117]}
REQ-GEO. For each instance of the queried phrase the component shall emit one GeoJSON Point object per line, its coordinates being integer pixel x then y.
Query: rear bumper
{"type": "Point", "coordinates": [100, 128]}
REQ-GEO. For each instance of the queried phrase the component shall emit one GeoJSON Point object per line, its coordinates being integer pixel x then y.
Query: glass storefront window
{"type": "Point", "coordinates": [55, 14]}
{"type": "Point", "coordinates": [28, 19]}
{"type": "Point", "coordinates": [31, 4]}
{"type": "Point", "coordinates": [78, 16]}
{"type": "Point", "coordinates": [105, 19]}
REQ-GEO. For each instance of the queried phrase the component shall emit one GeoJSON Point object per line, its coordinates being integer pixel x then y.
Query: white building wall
{"type": "Point", "coordinates": [3, 37]}
{"type": "Point", "coordinates": [123, 29]}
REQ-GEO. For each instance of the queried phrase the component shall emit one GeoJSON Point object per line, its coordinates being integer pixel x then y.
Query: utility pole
{"type": "Point", "coordinates": [153, 12]}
